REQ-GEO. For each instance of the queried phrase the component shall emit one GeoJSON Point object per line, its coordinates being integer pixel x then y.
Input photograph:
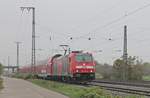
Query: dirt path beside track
{"type": "Point", "coordinates": [17, 88]}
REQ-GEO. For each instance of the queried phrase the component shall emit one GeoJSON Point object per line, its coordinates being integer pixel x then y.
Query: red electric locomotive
{"type": "Point", "coordinates": [76, 66]}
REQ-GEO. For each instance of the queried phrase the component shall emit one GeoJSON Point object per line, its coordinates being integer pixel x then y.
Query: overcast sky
{"type": "Point", "coordinates": [62, 19]}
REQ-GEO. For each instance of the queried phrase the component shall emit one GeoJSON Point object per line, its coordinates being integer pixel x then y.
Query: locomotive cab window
{"type": "Point", "coordinates": [83, 57]}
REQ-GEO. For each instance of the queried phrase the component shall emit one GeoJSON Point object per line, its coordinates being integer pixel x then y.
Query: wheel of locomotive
{"type": "Point", "coordinates": [68, 79]}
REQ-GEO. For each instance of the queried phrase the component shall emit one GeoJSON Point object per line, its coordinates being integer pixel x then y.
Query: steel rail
{"type": "Point", "coordinates": [131, 89]}
{"type": "Point", "coordinates": [145, 84]}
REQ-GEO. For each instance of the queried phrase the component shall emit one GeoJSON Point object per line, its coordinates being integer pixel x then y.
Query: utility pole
{"type": "Point", "coordinates": [17, 63]}
{"type": "Point", "coordinates": [33, 59]}
{"type": "Point", "coordinates": [125, 54]}
{"type": "Point", "coordinates": [8, 63]}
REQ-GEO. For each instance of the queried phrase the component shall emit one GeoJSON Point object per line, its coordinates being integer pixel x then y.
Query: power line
{"type": "Point", "coordinates": [50, 30]}
{"type": "Point", "coordinates": [105, 10]}
{"type": "Point", "coordinates": [99, 14]}
{"type": "Point", "coordinates": [117, 20]}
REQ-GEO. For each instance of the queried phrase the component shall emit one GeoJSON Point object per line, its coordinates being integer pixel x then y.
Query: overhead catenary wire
{"type": "Point", "coordinates": [130, 13]}
{"type": "Point", "coordinates": [116, 20]}
{"type": "Point", "coordinates": [108, 45]}
{"type": "Point", "coordinates": [113, 42]}
{"type": "Point", "coordinates": [48, 29]}
{"type": "Point", "coordinates": [107, 10]}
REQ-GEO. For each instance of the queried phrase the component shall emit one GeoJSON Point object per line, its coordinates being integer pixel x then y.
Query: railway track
{"type": "Point", "coordinates": [125, 87]}
{"type": "Point", "coordinates": [145, 84]}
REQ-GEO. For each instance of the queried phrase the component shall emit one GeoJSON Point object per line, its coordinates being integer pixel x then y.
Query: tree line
{"type": "Point", "coordinates": [1, 67]}
{"type": "Point", "coordinates": [135, 69]}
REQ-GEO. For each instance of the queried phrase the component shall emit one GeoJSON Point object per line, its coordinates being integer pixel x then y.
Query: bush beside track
{"type": "Point", "coordinates": [1, 80]}
{"type": "Point", "coordinates": [23, 76]}
{"type": "Point", "coordinates": [1, 83]}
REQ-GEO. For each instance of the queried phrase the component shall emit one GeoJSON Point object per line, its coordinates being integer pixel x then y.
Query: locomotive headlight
{"type": "Point", "coordinates": [77, 70]}
{"type": "Point", "coordinates": [91, 71]}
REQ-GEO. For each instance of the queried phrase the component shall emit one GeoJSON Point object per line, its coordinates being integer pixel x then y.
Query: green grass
{"type": "Point", "coordinates": [74, 91]}
{"type": "Point", "coordinates": [146, 78]}
{"type": "Point", "coordinates": [98, 76]}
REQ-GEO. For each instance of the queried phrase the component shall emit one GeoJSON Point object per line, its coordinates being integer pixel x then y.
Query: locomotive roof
{"type": "Point", "coordinates": [56, 56]}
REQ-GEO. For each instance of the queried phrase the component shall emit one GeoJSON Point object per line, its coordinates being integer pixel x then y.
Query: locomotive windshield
{"type": "Point", "coordinates": [83, 57]}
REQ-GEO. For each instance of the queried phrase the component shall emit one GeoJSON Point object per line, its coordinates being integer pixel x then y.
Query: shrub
{"type": "Point", "coordinates": [133, 70]}
{"type": "Point", "coordinates": [1, 68]}
{"type": "Point", "coordinates": [24, 76]}
{"type": "Point", "coordinates": [1, 83]}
